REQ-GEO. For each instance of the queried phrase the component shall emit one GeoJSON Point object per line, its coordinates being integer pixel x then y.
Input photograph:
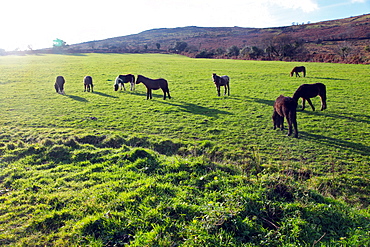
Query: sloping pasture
{"type": "Point", "coordinates": [110, 167]}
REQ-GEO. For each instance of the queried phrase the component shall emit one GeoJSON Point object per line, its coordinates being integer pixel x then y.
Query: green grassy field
{"type": "Point", "coordinates": [112, 168]}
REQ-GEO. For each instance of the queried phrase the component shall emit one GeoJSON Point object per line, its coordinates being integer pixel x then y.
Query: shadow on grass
{"type": "Point", "coordinates": [154, 95]}
{"type": "Point", "coordinates": [262, 101]}
{"type": "Point", "coordinates": [328, 78]}
{"type": "Point", "coordinates": [77, 98]}
{"type": "Point", "coordinates": [105, 95]}
{"type": "Point", "coordinates": [197, 109]}
{"type": "Point", "coordinates": [334, 142]}
{"type": "Point", "coordinates": [185, 106]}
{"type": "Point", "coordinates": [360, 118]}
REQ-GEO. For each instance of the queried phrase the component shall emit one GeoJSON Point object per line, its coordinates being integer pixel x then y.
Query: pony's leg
{"type": "Point", "coordinates": [228, 89]}
{"type": "Point", "coordinates": [218, 90]}
{"type": "Point", "coordinates": [303, 103]}
{"type": "Point", "coordinates": [168, 92]}
{"type": "Point", "coordinates": [323, 103]}
{"type": "Point", "coordinates": [92, 88]}
{"type": "Point", "coordinates": [310, 102]}
{"type": "Point", "coordinates": [148, 93]}
{"type": "Point", "coordinates": [164, 93]}
{"type": "Point", "coordinates": [123, 84]}
{"type": "Point", "coordinates": [282, 123]}
{"type": "Point", "coordinates": [289, 119]}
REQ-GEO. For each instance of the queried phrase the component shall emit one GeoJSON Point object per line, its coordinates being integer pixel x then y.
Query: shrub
{"type": "Point", "coordinates": [113, 141]}
{"type": "Point", "coordinates": [58, 153]}
{"type": "Point", "coordinates": [167, 147]}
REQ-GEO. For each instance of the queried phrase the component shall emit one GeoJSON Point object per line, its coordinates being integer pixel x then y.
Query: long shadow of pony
{"type": "Point", "coordinates": [351, 117]}
{"type": "Point", "coordinates": [262, 101]}
{"type": "Point", "coordinates": [77, 98]}
{"type": "Point", "coordinates": [105, 95]}
{"type": "Point", "coordinates": [334, 142]}
{"type": "Point", "coordinates": [327, 78]}
{"type": "Point", "coordinates": [197, 109]}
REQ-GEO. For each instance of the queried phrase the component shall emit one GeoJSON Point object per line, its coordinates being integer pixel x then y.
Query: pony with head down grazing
{"type": "Point", "coordinates": [307, 91]}
{"type": "Point", "coordinates": [59, 84]}
{"type": "Point", "coordinates": [88, 84]}
{"type": "Point", "coordinates": [154, 84]}
{"type": "Point", "coordinates": [285, 107]}
{"type": "Point", "coordinates": [122, 79]}
{"type": "Point", "coordinates": [221, 81]}
{"type": "Point", "coordinates": [298, 69]}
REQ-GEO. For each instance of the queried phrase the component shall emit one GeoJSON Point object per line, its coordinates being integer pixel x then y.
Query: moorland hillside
{"type": "Point", "coordinates": [342, 40]}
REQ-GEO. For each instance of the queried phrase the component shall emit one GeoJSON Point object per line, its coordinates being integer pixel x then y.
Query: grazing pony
{"type": "Point", "coordinates": [298, 69]}
{"type": "Point", "coordinates": [307, 91]}
{"type": "Point", "coordinates": [122, 79]}
{"type": "Point", "coordinates": [285, 107]}
{"type": "Point", "coordinates": [221, 81]}
{"type": "Point", "coordinates": [59, 84]}
{"type": "Point", "coordinates": [154, 84]}
{"type": "Point", "coordinates": [88, 83]}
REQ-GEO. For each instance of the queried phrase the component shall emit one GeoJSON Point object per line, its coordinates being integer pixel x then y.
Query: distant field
{"type": "Point", "coordinates": [126, 152]}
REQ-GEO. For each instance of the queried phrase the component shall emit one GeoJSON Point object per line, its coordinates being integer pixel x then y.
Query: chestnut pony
{"type": "Point", "coordinates": [285, 107]}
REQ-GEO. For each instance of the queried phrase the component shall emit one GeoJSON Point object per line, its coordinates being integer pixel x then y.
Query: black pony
{"type": "Point", "coordinates": [59, 84]}
{"type": "Point", "coordinates": [298, 69]}
{"type": "Point", "coordinates": [154, 84]}
{"type": "Point", "coordinates": [88, 84]}
{"type": "Point", "coordinates": [307, 91]}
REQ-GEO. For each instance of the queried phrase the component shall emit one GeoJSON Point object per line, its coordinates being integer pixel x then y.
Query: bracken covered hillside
{"type": "Point", "coordinates": [343, 40]}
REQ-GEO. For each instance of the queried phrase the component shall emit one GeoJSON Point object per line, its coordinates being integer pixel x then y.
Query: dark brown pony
{"type": "Point", "coordinates": [221, 81]}
{"type": "Point", "coordinates": [307, 91]}
{"type": "Point", "coordinates": [59, 84]}
{"type": "Point", "coordinates": [298, 69]}
{"type": "Point", "coordinates": [154, 84]}
{"type": "Point", "coordinates": [122, 79]}
{"type": "Point", "coordinates": [88, 84]}
{"type": "Point", "coordinates": [285, 107]}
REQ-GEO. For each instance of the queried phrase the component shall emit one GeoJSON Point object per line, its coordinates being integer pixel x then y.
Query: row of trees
{"type": "Point", "coordinates": [279, 47]}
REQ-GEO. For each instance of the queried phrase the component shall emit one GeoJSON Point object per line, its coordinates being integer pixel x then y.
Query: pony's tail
{"type": "Point", "coordinates": [323, 96]}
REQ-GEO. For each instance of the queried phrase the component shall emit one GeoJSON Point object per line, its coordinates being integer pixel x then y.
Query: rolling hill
{"type": "Point", "coordinates": [343, 40]}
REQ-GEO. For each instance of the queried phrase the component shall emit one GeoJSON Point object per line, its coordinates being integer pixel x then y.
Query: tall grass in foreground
{"type": "Point", "coordinates": [111, 168]}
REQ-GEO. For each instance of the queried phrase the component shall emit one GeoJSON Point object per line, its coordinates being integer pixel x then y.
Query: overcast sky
{"type": "Point", "coordinates": [37, 23]}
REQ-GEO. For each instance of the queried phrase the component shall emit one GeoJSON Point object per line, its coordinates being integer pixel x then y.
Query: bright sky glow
{"type": "Point", "coordinates": [37, 23]}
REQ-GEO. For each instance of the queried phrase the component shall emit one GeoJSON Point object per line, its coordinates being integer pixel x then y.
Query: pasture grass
{"type": "Point", "coordinates": [112, 168]}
